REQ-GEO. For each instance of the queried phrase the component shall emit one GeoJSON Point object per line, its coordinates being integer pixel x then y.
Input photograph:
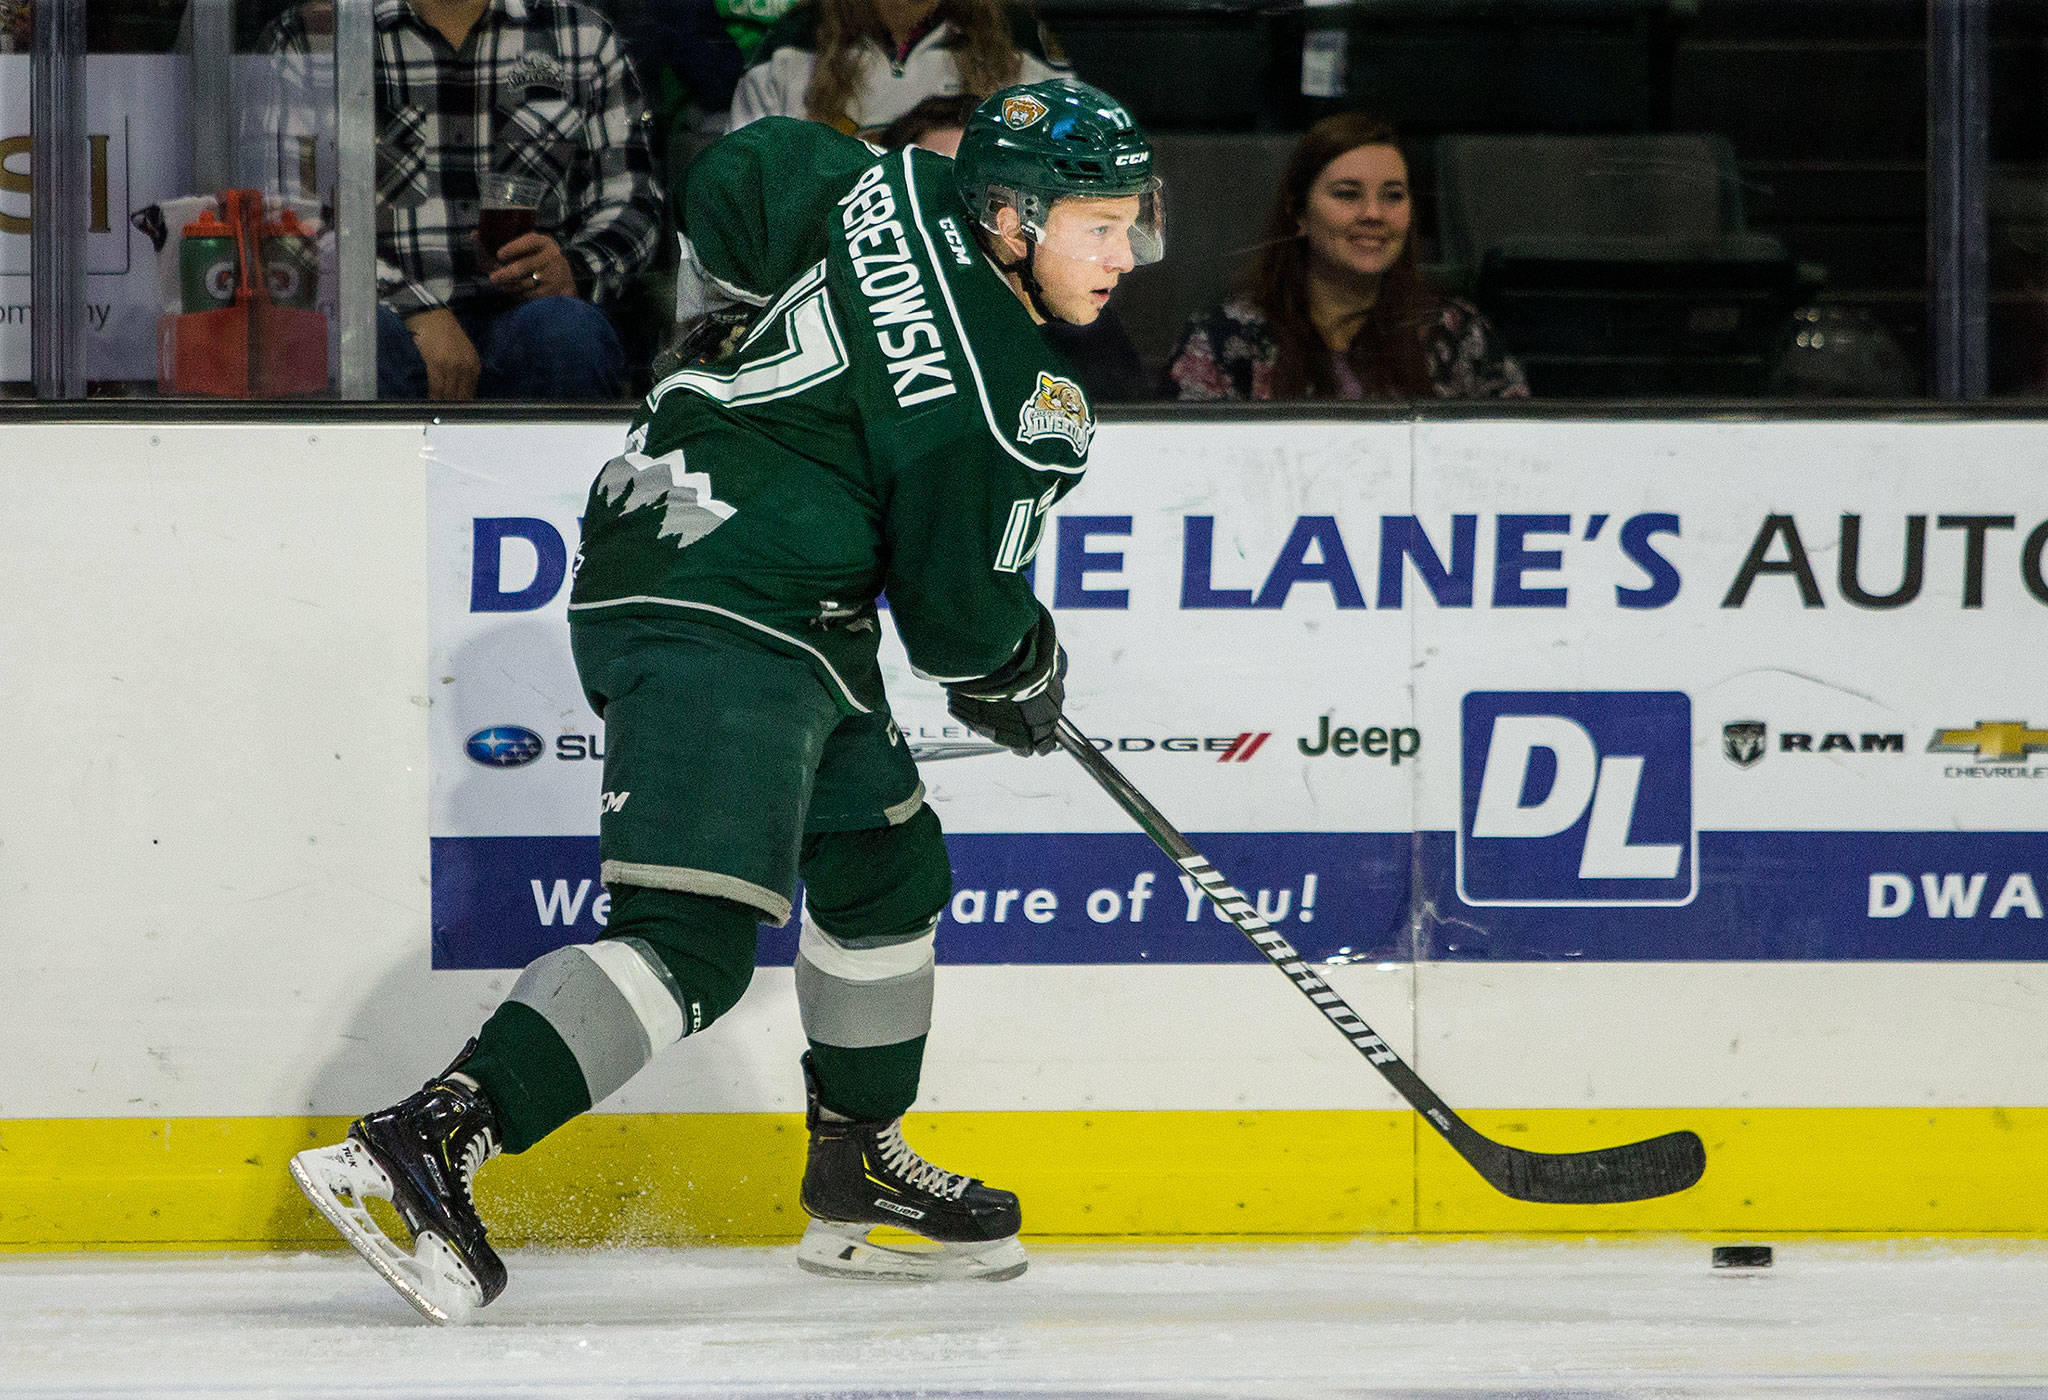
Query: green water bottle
{"type": "Point", "coordinates": [291, 264]}
{"type": "Point", "coordinates": [207, 264]}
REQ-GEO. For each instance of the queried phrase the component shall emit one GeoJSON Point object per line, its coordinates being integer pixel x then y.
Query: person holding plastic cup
{"type": "Point", "coordinates": [516, 196]}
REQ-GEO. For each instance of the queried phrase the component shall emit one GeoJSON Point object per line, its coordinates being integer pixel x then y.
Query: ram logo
{"type": "Point", "coordinates": [1742, 742]}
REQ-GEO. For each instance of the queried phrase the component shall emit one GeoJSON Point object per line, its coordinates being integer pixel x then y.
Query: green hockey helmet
{"type": "Point", "coordinates": [1028, 147]}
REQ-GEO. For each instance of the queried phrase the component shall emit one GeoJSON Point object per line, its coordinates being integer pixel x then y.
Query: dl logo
{"type": "Point", "coordinates": [1577, 797]}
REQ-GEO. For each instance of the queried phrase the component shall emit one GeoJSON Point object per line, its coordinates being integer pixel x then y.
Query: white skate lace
{"type": "Point", "coordinates": [911, 1168]}
{"type": "Point", "coordinates": [479, 1150]}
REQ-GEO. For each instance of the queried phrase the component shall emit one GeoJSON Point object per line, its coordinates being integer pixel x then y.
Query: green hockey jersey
{"type": "Point", "coordinates": [892, 422]}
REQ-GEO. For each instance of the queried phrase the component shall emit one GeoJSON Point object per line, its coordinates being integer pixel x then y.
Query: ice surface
{"type": "Point", "coordinates": [1600, 1320]}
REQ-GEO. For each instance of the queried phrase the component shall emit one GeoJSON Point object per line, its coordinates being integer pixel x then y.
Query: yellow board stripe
{"type": "Point", "coordinates": [659, 1179]}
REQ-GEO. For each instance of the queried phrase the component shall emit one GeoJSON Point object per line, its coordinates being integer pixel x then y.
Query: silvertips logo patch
{"type": "Point", "coordinates": [1020, 112]}
{"type": "Point", "coordinates": [1057, 408]}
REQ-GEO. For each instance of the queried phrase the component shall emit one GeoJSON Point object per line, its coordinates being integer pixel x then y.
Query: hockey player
{"type": "Point", "coordinates": [892, 420]}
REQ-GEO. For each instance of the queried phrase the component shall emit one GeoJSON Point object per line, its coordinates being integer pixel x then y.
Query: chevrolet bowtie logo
{"type": "Point", "coordinates": [1993, 740]}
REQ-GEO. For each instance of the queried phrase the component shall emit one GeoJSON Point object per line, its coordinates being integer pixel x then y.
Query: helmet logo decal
{"type": "Point", "coordinates": [1021, 111]}
{"type": "Point", "coordinates": [1057, 408]}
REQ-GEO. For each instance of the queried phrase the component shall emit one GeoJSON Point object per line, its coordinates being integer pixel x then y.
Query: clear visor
{"type": "Point", "coordinates": [1120, 232]}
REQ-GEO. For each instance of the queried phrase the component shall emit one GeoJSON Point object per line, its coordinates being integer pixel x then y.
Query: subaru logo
{"type": "Point", "coordinates": [504, 746]}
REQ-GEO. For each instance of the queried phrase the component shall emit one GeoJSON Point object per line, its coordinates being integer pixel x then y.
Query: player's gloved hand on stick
{"type": "Point", "coordinates": [704, 338]}
{"type": "Point", "coordinates": [1018, 706]}
{"type": "Point", "coordinates": [714, 335]}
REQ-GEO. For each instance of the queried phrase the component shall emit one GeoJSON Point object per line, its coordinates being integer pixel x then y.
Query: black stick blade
{"type": "Point", "coordinates": [1635, 1171]}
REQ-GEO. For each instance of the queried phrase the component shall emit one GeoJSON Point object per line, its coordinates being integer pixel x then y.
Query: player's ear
{"type": "Point", "coordinates": [1010, 234]}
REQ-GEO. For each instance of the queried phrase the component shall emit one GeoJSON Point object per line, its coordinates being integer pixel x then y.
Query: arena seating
{"type": "Point", "coordinates": [1615, 265]}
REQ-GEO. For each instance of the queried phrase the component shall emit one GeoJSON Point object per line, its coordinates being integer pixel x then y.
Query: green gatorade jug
{"type": "Point", "coordinates": [207, 264]}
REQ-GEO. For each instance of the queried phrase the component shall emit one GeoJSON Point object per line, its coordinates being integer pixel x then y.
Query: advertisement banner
{"type": "Point", "coordinates": [1728, 690]}
{"type": "Point", "coordinates": [1514, 691]}
{"type": "Point", "coordinates": [1045, 868]}
{"type": "Point", "coordinates": [138, 122]}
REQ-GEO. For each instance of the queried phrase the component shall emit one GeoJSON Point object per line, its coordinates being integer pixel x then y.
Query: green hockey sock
{"type": "Point", "coordinates": [874, 1083]}
{"type": "Point", "coordinates": [529, 1074]}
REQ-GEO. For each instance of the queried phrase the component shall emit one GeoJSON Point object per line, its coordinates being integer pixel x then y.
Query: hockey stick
{"type": "Point", "coordinates": [1635, 1171]}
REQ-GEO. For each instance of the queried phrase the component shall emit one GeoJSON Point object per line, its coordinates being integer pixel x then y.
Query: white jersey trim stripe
{"type": "Point", "coordinates": [844, 689]}
{"type": "Point", "coordinates": [906, 809]}
{"type": "Point", "coordinates": [693, 881]}
{"type": "Point", "coordinates": [938, 679]}
{"type": "Point", "coordinates": [995, 429]}
{"type": "Point", "coordinates": [815, 352]}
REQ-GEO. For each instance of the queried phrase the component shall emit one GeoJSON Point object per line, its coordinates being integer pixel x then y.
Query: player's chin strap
{"type": "Point", "coordinates": [1024, 271]}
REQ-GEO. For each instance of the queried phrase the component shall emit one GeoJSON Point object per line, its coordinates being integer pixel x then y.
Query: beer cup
{"type": "Point", "coordinates": [509, 207]}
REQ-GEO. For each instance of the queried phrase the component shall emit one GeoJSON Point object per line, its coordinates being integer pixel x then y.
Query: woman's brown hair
{"type": "Point", "coordinates": [1388, 354]}
{"type": "Point", "coordinates": [982, 47]}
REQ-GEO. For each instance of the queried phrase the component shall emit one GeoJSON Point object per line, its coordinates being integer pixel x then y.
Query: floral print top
{"type": "Point", "coordinates": [1227, 353]}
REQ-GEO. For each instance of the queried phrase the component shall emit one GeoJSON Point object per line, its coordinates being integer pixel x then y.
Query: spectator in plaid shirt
{"type": "Point", "coordinates": [539, 88]}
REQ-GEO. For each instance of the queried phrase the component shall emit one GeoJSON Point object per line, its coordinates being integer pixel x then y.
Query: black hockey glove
{"type": "Point", "coordinates": [1018, 706]}
{"type": "Point", "coordinates": [711, 336]}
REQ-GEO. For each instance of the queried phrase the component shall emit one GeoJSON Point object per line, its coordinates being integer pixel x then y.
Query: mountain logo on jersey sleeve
{"type": "Point", "coordinates": [689, 510]}
{"type": "Point", "coordinates": [1057, 408]}
{"type": "Point", "coordinates": [1021, 111]}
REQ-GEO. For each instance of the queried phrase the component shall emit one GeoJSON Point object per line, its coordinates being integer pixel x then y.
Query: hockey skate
{"type": "Point", "coordinates": [861, 1175]}
{"type": "Point", "coordinates": [421, 1155]}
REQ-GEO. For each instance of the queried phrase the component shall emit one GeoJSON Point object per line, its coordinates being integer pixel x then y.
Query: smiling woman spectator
{"type": "Point", "coordinates": [1338, 306]}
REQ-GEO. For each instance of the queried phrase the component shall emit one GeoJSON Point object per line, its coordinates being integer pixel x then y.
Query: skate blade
{"type": "Point", "coordinates": [842, 1250]}
{"type": "Point", "coordinates": [432, 1277]}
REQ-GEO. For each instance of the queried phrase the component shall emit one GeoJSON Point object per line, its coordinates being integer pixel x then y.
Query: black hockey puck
{"type": "Point", "coordinates": [1742, 1256]}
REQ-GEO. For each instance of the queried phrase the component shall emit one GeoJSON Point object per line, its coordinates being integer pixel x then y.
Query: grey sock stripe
{"type": "Point", "coordinates": [859, 1015]}
{"type": "Point", "coordinates": [592, 1016]}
